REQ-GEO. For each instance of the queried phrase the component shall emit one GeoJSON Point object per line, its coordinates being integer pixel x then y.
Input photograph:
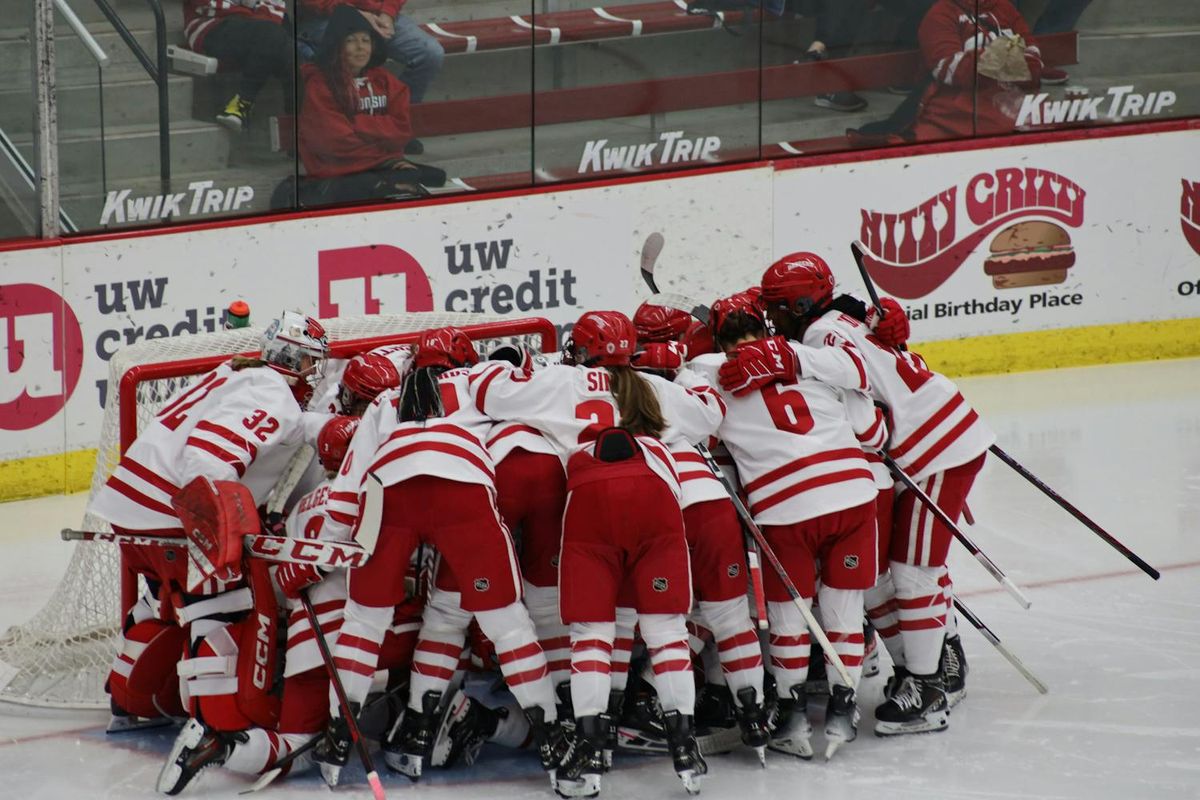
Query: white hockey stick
{"type": "Point", "coordinates": [277, 549]}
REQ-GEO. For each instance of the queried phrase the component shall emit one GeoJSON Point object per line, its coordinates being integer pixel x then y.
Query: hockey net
{"type": "Point", "coordinates": [61, 657]}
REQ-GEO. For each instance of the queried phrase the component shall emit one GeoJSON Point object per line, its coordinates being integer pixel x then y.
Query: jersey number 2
{"type": "Point", "coordinates": [601, 414]}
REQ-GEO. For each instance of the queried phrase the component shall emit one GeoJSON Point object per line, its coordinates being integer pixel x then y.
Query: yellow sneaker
{"type": "Point", "coordinates": [236, 116]}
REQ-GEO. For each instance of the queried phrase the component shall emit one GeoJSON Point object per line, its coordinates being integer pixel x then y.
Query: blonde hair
{"type": "Point", "coordinates": [641, 414]}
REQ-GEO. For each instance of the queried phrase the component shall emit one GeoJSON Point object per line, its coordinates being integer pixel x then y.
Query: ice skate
{"type": "Point", "coordinates": [553, 741]}
{"type": "Point", "coordinates": [752, 719]}
{"type": "Point", "coordinates": [793, 731]}
{"type": "Point", "coordinates": [817, 682]}
{"type": "Point", "coordinates": [122, 721]}
{"type": "Point", "coordinates": [685, 753]}
{"type": "Point", "coordinates": [195, 749]}
{"type": "Point", "coordinates": [841, 719]}
{"type": "Point", "coordinates": [953, 669]}
{"type": "Point", "coordinates": [871, 651]}
{"type": "Point", "coordinates": [616, 702]}
{"type": "Point", "coordinates": [579, 774]}
{"type": "Point", "coordinates": [893, 683]}
{"type": "Point", "coordinates": [919, 705]}
{"type": "Point", "coordinates": [333, 751]}
{"type": "Point", "coordinates": [715, 717]}
{"type": "Point", "coordinates": [409, 744]}
{"type": "Point", "coordinates": [463, 727]}
{"type": "Point", "coordinates": [640, 729]}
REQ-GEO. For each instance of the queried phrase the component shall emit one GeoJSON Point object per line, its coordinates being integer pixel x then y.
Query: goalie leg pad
{"type": "Point", "coordinates": [142, 681]}
{"type": "Point", "coordinates": [228, 680]}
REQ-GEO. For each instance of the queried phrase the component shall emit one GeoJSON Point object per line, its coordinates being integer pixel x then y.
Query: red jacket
{"type": "Point", "coordinates": [959, 103]}
{"type": "Point", "coordinates": [200, 16]}
{"type": "Point", "coordinates": [323, 8]}
{"type": "Point", "coordinates": [332, 143]}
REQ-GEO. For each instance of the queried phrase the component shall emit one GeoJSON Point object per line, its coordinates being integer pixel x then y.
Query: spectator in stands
{"type": "Point", "coordinates": [252, 36]}
{"type": "Point", "coordinates": [354, 120]}
{"type": "Point", "coordinates": [421, 54]}
{"type": "Point", "coordinates": [838, 22]}
{"type": "Point", "coordinates": [978, 71]}
{"type": "Point", "coordinates": [1058, 16]}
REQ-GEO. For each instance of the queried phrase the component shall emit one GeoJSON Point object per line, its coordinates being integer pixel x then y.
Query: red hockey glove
{"type": "Point", "coordinates": [660, 357]}
{"type": "Point", "coordinates": [892, 328]}
{"type": "Point", "coordinates": [291, 578]}
{"type": "Point", "coordinates": [756, 364]}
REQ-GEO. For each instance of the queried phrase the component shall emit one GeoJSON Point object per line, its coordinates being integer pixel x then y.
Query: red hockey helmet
{"type": "Point", "coordinates": [698, 339]}
{"type": "Point", "coordinates": [367, 375]}
{"type": "Point", "coordinates": [603, 339]}
{"type": "Point", "coordinates": [741, 303]}
{"type": "Point", "coordinates": [445, 347]}
{"type": "Point", "coordinates": [800, 283]}
{"type": "Point", "coordinates": [655, 323]}
{"type": "Point", "coordinates": [334, 440]}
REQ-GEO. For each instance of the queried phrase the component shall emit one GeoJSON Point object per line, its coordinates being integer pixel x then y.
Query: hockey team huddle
{"type": "Point", "coordinates": [570, 521]}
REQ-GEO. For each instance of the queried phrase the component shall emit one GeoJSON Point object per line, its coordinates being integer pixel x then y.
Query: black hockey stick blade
{"type": "Point", "coordinates": [650, 251]}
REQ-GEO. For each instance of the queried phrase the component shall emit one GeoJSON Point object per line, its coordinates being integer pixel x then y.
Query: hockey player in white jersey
{"type": "Point", "coordinates": [425, 444]}
{"type": "Point", "coordinates": [622, 525]}
{"type": "Point", "coordinates": [666, 337]}
{"type": "Point", "coordinates": [242, 422]}
{"type": "Point", "coordinates": [797, 443]}
{"type": "Point", "coordinates": [937, 438]}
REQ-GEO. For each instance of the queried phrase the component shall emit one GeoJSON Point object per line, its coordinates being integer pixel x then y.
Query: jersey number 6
{"type": "Point", "coordinates": [787, 408]}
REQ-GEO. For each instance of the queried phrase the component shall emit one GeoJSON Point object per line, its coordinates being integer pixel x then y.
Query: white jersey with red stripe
{"type": "Point", "coordinates": [697, 482]}
{"type": "Point", "coordinates": [505, 437]}
{"type": "Point", "coordinates": [798, 446]}
{"type": "Point", "coordinates": [933, 427]}
{"type": "Point", "coordinates": [230, 425]}
{"type": "Point", "coordinates": [571, 405]}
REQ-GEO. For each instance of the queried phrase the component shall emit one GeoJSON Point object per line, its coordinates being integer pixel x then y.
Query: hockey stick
{"type": "Point", "coordinates": [343, 702]}
{"type": "Point", "coordinates": [1076, 513]}
{"type": "Point", "coordinates": [1004, 651]}
{"type": "Point", "coordinates": [813, 626]}
{"type": "Point", "coordinates": [651, 249]}
{"type": "Point", "coordinates": [753, 554]}
{"type": "Point", "coordinates": [966, 541]}
{"type": "Point", "coordinates": [268, 777]}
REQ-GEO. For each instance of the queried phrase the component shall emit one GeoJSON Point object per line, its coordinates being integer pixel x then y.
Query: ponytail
{"type": "Point", "coordinates": [421, 396]}
{"type": "Point", "coordinates": [641, 414]}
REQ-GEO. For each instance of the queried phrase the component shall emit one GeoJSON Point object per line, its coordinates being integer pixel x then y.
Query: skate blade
{"type": "Point", "coordinates": [800, 748]}
{"type": "Point", "coordinates": [691, 780]}
{"type": "Point", "coordinates": [264, 780]}
{"type": "Point", "coordinates": [331, 773]}
{"type": "Point", "coordinates": [586, 786]}
{"type": "Point", "coordinates": [761, 752]}
{"type": "Point", "coordinates": [956, 697]}
{"type": "Point", "coordinates": [132, 723]}
{"type": "Point", "coordinates": [409, 766]}
{"type": "Point", "coordinates": [832, 748]}
{"type": "Point", "coordinates": [932, 725]}
{"type": "Point", "coordinates": [189, 736]}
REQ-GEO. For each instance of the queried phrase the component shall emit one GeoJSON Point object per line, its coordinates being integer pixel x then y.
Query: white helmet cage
{"type": "Point", "coordinates": [292, 337]}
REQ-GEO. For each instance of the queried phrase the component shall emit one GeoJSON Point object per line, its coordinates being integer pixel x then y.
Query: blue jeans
{"type": "Point", "coordinates": [420, 53]}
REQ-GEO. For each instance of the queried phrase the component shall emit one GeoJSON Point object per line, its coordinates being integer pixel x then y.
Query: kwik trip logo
{"type": "Point", "coordinates": [911, 253]}
{"type": "Point", "coordinates": [1189, 213]}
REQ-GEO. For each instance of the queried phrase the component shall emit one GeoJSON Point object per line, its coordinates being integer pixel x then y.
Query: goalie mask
{"type": "Point", "coordinates": [296, 346]}
{"type": "Point", "coordinates": [602, 339]}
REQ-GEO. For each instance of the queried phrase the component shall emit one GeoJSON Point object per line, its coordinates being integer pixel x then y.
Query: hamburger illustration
{"type": "Point", "coordinates": [1031, 253]}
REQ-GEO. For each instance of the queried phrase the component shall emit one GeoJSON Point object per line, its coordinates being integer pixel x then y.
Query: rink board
{"type": "Point", "coordinates": [1128, 204]}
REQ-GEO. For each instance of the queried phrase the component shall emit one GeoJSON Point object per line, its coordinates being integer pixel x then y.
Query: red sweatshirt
{"type": "Point", "coordinates": [332, 143]}
{"type": "Point", "coordinates": [957, 103]}
{"type": "Point", "coordinates": [199, 16]}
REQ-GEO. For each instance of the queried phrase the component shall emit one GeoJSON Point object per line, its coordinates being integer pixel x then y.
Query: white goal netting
{"type": "Point", "coordinates": [62, 655]}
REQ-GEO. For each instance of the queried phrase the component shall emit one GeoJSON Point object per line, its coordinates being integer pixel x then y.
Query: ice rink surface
{"type": "Point", "coordinates": [1120, 653]}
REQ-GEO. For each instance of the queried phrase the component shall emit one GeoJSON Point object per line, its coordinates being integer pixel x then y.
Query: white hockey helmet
{"type": "Point", "coordinates": [296, 346]}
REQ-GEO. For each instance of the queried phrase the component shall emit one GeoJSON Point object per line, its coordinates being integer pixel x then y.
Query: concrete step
{"type": "Point", "coordinates": [1122, 16]}
{"type": "Point", "coordinates": [126, 102]}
